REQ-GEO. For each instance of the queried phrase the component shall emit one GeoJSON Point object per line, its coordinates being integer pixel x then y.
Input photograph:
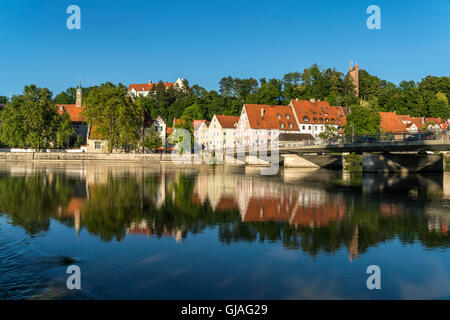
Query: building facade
{"type": "Point", "coordinates": [222, 132]}
{"type": "Point", "coordinates": [144, 89]}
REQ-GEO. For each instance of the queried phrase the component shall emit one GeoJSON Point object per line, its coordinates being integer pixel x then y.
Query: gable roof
{"type": "Point", "coordinates": [148, 86]}
{"type": "Point", "coordinates": [318, 112]}
{"type": "Point", "coordinates": [227, 122]}
{"type": "Point", "coordinates": [391, 122]}
{"type": "Point", "coordinates": [73, 111]}
{"type": "Point", "coordinates": [262, 116]}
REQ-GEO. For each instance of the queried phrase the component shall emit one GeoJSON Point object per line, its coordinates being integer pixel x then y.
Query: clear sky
{"type": "Point", "coordinates": [204, 40]}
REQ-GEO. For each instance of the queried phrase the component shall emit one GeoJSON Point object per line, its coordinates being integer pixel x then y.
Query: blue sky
{"type": "Point", "coordinates": [202, 41]}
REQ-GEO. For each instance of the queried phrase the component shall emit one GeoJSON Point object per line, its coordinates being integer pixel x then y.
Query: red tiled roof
{"type": "Point", "coordinates": [227, 122]}
{"type": "Point", "coordinates": [271, 119]}
{"type": "Point", "coordinates": [169, 130]}
{"type": "Point", "coordinates": [197, 123]}
{"type": "Point", "coordinates": [73, 111]}
{"type": "Point", "coordinates": [391, 122]}
{"type": "Point", "coordinates": [318, 112]}
{"type": "Point", "coordinates": [435, 120]}
{"type": "Point", "coordinates": [148, 86]}
{"type": "Point", "coordinates": [417, 121]}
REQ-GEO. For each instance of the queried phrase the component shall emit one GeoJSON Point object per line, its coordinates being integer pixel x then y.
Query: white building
{"type": "Point", "coordinates": [201, 133]}
{"type": "Point", "coordinates": [222, 132]}
{"type": "Point", "coordinates": [260, 124]}
{"type": "Point", "coordinates": [143, 90]}
{"type": "Point", "coordinates": [312, 116]}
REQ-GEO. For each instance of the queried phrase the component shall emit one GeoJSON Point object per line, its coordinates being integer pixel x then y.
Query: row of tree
{"type": "Point", "coordinates": [30, 119]}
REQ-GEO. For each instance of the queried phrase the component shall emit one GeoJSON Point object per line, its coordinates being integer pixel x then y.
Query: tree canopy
{"type": "Point", "coordinates": [30, 119]}
{"type": "Point", "coordinates": [114, 116]}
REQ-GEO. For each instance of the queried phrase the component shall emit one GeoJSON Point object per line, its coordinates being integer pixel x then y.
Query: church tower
{"type": "Point", "coordinates": [79, 100]}
{"type": "Point", "coordinates": [353, 72]}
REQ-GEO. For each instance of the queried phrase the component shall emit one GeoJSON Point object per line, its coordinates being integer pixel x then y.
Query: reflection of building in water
{"type": "Point", "coordinates": [214, 187]}
{"type": "Point", "coordinates": [142, 228]}
{"type": "Point", "coordinates": [269, 201]}
{"type": "Point", "coordinates": [438, 221]}
{"type": "Point", "coordinates": [159, 197]}
{"type": "Point", "coordinates": [260, 200]}
{"type": "Point", "coordinates": [74, 209]}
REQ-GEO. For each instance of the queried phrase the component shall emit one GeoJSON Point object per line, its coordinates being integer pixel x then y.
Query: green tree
{"type": "Point", "coordinates": [438, 106]}
{"type": "Point", "coordinates": [362, 120]}
{"type": "Point", "coordinates": [64, 132]}
{"type": "Point", "coordinates": [114, 115]}
{"type": "Point", "coordinates": [152, 140]}
{"type": "Point", "coordinates": [30, 120]}
{"type": "Point", "coordinates": [3, 99]}
{"type": "Point", "coordinates": [64, 98]}
{"type": "Point", "coordinates": [330, 132]}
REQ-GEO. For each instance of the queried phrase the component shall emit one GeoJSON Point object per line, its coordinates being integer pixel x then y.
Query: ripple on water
{"type": "Point", "coordinates": [25, 273]}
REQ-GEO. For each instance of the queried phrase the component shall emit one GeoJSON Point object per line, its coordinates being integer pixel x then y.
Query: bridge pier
{"type": "Point", "coordinates": [391, 162]}
{"type": "Point", "coordinates": [312, 161]}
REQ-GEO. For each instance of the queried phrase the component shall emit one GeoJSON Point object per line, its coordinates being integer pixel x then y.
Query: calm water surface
{"type": "Point", "coordinates": [166, 232]}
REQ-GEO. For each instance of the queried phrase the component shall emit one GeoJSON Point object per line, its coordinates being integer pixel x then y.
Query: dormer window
{"type": "Point", "coordinates": [279, 116]}
{"type": "Point", "coordinates": [288, 116]}
{"type": "Point", "coordinates": [315, 119]}
{"type": "Point", "coordinates": [282, 125]}
{"type": "Point", "coordinates": [326, 120]}
{"type": "Point", "coordinates": [332, 120]}
{"type": "Point", "coordinates": [321, 120]}
{"type": "Point", "coordinates": [306, 119]}
{"type": "Point", "coordinates": [291, 125]}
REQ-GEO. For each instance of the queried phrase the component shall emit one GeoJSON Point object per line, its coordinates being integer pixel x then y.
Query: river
{"type": "Point", "coordinates": [160, 231]}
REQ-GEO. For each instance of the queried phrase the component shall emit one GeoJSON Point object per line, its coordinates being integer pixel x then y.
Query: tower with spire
{"type": "Point", "coordinates": [79, 96]}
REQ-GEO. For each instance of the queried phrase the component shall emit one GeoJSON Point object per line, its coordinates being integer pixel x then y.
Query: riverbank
{"type": "Point", "coordinates": [82, 156]}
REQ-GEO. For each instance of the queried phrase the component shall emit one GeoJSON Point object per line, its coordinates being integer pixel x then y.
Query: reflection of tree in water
{"type": "Point", "coordinates": [113, 208]}
{"type": "Point", "coordinates": [32, 201]}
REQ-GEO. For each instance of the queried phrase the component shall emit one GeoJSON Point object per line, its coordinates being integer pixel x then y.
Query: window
{"type": "Point", "coordinates": [303, 127]}
{"type": "Point", "coordinates": [279, 116]}
{"type": "Point", "coordinates": [305, 119]}
{"type": "Point", "coordinates": [288, 116]}
{"type": "Point", "coordinates": [282, 125]}
{"type": "Point", "coordinates": [97, 145]}
{"type": "Point", "coordinates": [321, 120]}
{"type": "Point", "coordinates": [291, 125]}
{"type": "Point", "coordinates": [309, 127]}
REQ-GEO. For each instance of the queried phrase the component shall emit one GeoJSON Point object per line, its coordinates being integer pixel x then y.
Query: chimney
{"type": "Point", "coordinates": [312, 100]}
{"type": "Point", "coordinates": [262, 112]}
{"type": "Point", "coordinates": [296, 99]}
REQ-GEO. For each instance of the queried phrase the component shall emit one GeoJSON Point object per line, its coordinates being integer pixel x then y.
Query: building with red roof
{"type": "Point", "coordinates": [313, 115]}
{"type": "Point", "coordinates": [143, 89]}
{"type": "Point", "coordinates": [79, 124]}
{"type": "Point", "coordinates": [263, 123]}
{"type": "Point", "coordinates": [222, 132]}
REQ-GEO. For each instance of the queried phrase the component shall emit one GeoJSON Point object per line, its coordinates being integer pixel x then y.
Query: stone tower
{"type": "Point", "coordinates": [353, 71]}
{"type": "Point", "coordinates": [79, 100]}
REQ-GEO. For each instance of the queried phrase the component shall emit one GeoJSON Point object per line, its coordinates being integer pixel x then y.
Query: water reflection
{"type": "Point", "coordinates": [315, 211]}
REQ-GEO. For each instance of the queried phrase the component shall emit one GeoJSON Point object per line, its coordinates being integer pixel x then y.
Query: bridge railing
{"type": "Point", "coordinates": [398, 138]}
